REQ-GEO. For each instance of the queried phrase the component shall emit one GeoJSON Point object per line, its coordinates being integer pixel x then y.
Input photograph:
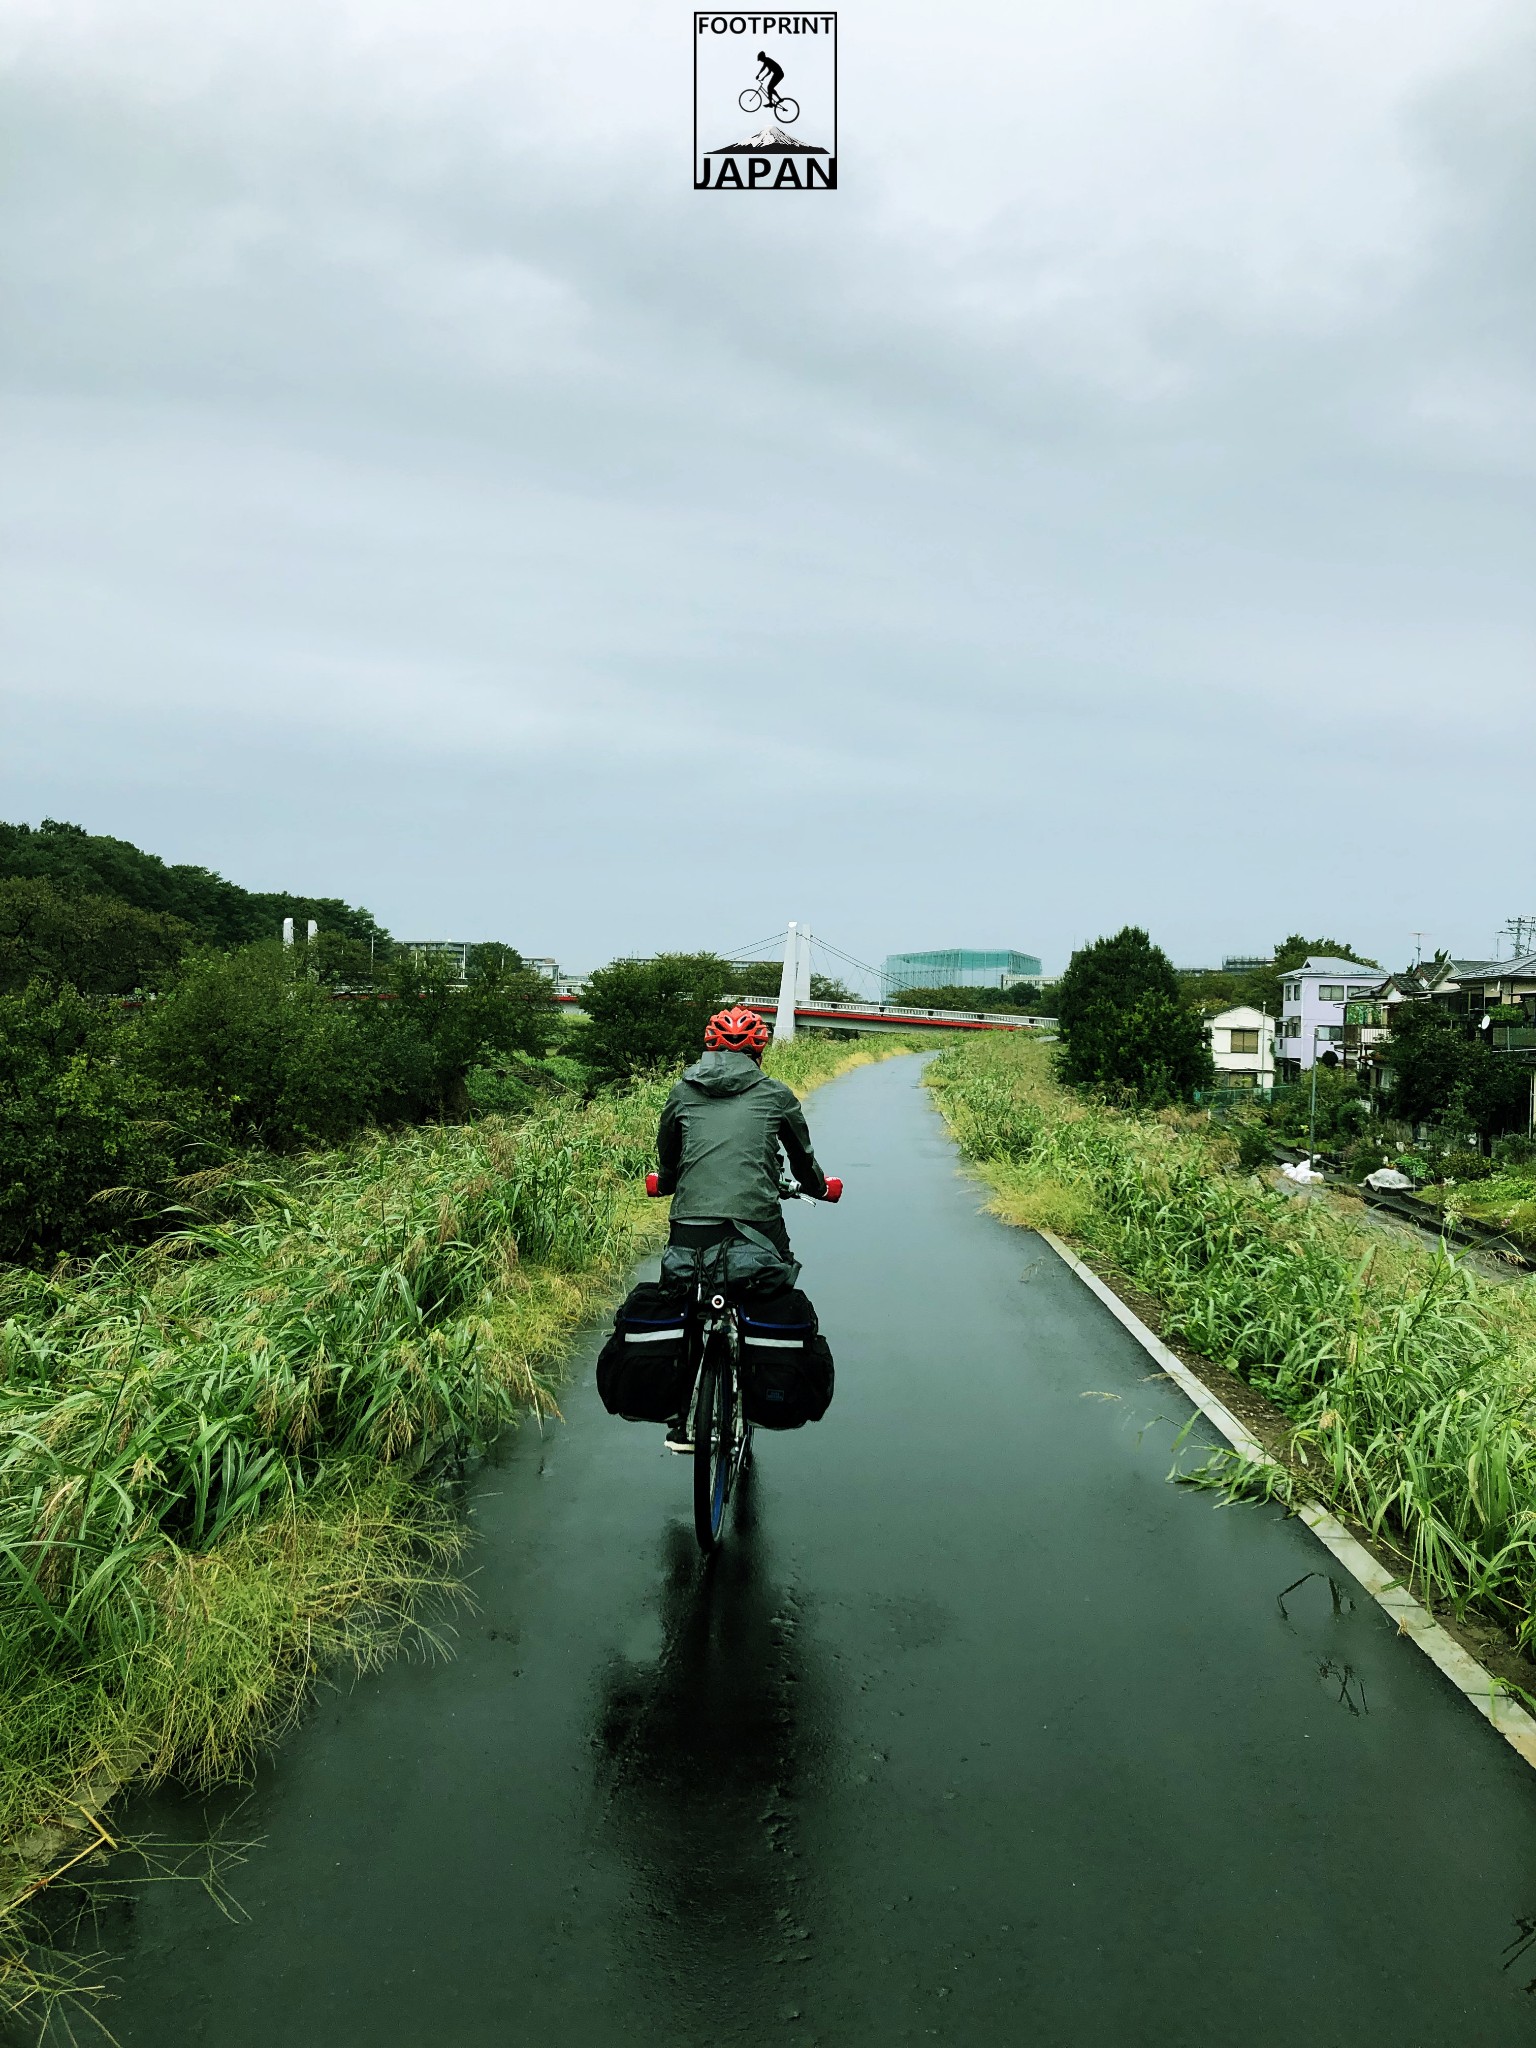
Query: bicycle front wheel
{"type": "Point", "coordinates": [750, 100]}
{"type": "Point", "coordinates": [786, 110]}
{"type": "Point", "coordinates": [713, 1449]}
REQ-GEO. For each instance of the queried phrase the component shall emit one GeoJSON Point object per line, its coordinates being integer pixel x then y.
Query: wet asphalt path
{"type": "Point", "coordinates": [980, 1732]}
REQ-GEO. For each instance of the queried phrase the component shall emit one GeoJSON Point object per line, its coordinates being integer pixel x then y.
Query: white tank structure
{"type": "Point", "coordinates": [794, 982]}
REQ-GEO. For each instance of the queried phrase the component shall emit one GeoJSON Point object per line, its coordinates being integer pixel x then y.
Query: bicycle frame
{"type": "Point", "coordinates": [721, 1437]}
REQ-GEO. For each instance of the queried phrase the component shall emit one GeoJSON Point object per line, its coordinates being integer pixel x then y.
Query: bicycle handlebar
{"type": "Point", "coordinates": [789, 1188]}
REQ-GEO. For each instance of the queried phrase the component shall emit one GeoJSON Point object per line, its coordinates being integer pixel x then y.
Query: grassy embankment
{"type": "Point", "coordinates": [1408, 1382]}
{"type": "Point", "coordinates": [208, 1448]}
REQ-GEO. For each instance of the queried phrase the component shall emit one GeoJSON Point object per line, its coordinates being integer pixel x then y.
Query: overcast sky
{"type": "Point", "coordinates": [1112, 504]}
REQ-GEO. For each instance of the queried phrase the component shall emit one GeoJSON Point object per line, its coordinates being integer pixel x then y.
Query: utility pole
{"type": "Point", "coordinates": [1312, 1112]}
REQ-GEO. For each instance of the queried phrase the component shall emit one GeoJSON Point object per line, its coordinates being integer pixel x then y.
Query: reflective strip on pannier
{"type": "Point", "coordinates": [642, 1371]}
{"type": "Point", "coordinates": [786, 1365]}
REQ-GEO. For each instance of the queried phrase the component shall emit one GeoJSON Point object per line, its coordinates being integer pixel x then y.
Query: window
{"type": "Point", "coordinates": [1239, 1080]}
{"type": "Point", "coordinates": [1290, 1027]}
{"type": "Point", "coordinates": [1329, 1032]}
{"type": "Point", "coordinates": [1356, 993]}
{"type": "Point", "coordinates": [1330, 992]}
{"type": "Point", "coordinates": [1293, 991]}
{"type": "Point", "coordinates": [1244, 1041]}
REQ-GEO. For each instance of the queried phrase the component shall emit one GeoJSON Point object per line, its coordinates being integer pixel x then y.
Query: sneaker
{"type": "Point", "coordinates": [679, 1440]}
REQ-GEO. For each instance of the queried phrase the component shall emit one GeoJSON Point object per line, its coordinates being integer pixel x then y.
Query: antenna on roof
{"type": "Point", "coordinates": [1418, 946]}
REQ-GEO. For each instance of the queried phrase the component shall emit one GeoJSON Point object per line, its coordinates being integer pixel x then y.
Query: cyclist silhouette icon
{"type": "Point", "coordinates": [765, 93]}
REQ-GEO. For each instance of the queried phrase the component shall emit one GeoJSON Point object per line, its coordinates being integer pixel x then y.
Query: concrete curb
{"type": "Point", "coordinates": [1477, 1685]}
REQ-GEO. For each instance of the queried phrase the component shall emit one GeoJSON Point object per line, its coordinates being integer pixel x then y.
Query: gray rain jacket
{"type": "Point", "coordinates": [719, 1142]}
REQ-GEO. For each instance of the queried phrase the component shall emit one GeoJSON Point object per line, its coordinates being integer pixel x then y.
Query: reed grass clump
{"type": "Point", "coordinates": [1410, 1381]}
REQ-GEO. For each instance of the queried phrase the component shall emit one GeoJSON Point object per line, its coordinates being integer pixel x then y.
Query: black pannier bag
{"type": "Point", "coordinates": [642, 1371]}
{"type": "Point", "coordinates": [786, 1363]}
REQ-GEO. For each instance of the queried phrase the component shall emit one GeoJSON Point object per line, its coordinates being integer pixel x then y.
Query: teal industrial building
{"type": "Point", "coordinates": [958, 967]}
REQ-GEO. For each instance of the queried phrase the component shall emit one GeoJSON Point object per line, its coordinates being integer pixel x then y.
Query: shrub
{"type": "Point", "coordinates": [421, 1040]}
{"type": "Point", "coordinates": [1254, 1147]}
{"type": "Point", "coordinates": [279, 1060]}
{"type": "Point", "coordinates": [1340, 1108]}
{"type": "Point", "coordinates": [650, 1014]}
{"type": "Point", "coordinates": [1464, 1165]}
{"type": "Point", "coordinates": [1025, 999]}
{"type": "Point", "coordinates": [75, 1120]}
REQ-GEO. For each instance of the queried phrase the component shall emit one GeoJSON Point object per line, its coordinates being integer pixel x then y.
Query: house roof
{"type": "Point", "coordinates": [1324, 963]}
{"type": "Point", "coordinates": [1429, 975]}
{"type": "Point", "coordinates": [1521, 969]}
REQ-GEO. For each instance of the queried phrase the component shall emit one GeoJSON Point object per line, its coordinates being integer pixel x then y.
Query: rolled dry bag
{"type": "Point", "coordinates": [642, 1371]}
{"type": "Point", "coordinates": [748, 1263]}
{"type": "Point", "coordinates": [786, 1363]}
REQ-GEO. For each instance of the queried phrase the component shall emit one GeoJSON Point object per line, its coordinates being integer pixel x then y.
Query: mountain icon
{"type": "Point", "coordinates": [770, 142]}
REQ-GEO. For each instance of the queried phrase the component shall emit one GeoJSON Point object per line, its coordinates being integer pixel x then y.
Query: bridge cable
{"type": "Point", "coordinates": [877, 974]}
{"type": "Point", "coordinates": [745, 952]}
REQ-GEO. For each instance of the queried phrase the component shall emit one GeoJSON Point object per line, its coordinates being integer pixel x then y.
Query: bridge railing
{"type": "Point", "coordinates": [1006, 1020]}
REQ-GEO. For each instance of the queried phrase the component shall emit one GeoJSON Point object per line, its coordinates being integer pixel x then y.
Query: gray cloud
{"type": "Point", "coordinates": [1113, 503]}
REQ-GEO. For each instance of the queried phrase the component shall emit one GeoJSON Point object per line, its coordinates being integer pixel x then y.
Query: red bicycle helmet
{"type": "Point", "coordinates": [735, 1031]}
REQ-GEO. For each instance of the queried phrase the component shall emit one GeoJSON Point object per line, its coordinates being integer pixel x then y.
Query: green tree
{"type": "Point", "coordinates": [645, 1014]}
{"type": "Point", "coordinates": [77, 1119]}
{"type": "Point", "coordinates": [97, 944]}
{"type": "Point", "coordinates": [1026, 999]}
{"type": "Point", "coordinates": [1212, 989]}
{"type": "Point", "coordinates": [762, 977]}
{"type": "Point", "coordinates": [1442, 1075]}
{"type": "Point", "coordinates": [426, 1030]}
{"type": "Point", "coordinates": [1265, 988]}
{"type": "Point", "coordinates": [276, 1057]}
{"type": "Point", "coordinates": [1428, 1056]}
{"type": "Point", "coordinates": [341, 961]}
{"type": "Point", "coordinates": [1125, 1030]}
{"type": "Point", "coordinates": [1492, 1093]}
{"type": "Point", "coordinates": [220, 913]}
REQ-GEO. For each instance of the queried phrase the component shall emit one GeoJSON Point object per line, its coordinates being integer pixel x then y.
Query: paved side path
{"type": "Point", "coordinates": [980, 1733]}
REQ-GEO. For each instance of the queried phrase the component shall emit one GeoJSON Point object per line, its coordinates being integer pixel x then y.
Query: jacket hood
{"type": "Point", "coordinates": [724, 1073]}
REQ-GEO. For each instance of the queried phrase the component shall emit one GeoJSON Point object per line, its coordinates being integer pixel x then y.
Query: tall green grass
{"type": "Point", "coordinates": [210, 1448]}
{"type": "Point", "coordinates": [1410, 1382]}
{"type": "Point", "coordinates": [148, 1406]}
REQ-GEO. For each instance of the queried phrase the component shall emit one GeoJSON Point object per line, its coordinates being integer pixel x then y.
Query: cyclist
{"type": "Point", "coordinates": [718, 1145]}
{"type": "Point", "coordinates": [770, 76]}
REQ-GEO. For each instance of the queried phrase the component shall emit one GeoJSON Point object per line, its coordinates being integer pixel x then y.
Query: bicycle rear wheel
{"type": "Point", "coordinates": [786, 109]}
{"type": "Point", "coordinates": [713, 1449]}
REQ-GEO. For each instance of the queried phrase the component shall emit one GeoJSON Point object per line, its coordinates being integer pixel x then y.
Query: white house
{"type": "Point", "coordinates": [1314, 997]}
{"type": "Point", "coordinates": [1243, 1047]}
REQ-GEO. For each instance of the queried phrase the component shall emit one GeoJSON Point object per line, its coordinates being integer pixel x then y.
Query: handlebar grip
{"type": "Point", "coordinates": [653, 1183]}
{"type": "Point", "coordinates": [834, 1189]}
